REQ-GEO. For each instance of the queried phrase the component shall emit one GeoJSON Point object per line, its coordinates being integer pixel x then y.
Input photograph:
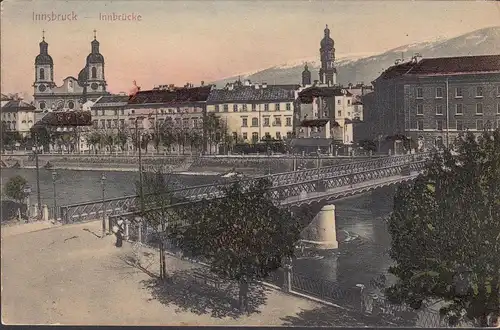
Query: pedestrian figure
{"type": "Point", "coordinates": [118, 231]}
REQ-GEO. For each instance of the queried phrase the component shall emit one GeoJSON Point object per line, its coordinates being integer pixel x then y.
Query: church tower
{"type": "Point", "coordinates": [44, 72]}
{"type": "Point", "coordinates": [95, 69]}
{"type": "Point", "coordinates": [327, 72]}
{"type": "Point", "coordinates": [306, 76]}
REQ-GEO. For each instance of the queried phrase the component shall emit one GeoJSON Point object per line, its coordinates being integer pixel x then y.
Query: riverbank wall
{"type": "Point", "coordinates": [209, 165]}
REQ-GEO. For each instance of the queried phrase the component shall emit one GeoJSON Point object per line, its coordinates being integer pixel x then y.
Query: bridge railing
{"type": "Point", "coordinates": [93, 209]}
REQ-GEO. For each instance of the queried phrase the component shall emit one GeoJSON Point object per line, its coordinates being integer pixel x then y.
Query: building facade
{"type": "Point", "coordinates": [433, 100]}
{"type": "Point", "coordinates": [17, 115]}
{"type": "Point", "coordinates": [74, 92]}
{"type": "Point", "coordinates": [252, 112]}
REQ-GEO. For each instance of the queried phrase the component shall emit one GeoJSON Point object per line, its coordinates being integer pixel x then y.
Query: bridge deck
{"type": "Point", "coordinates": [348, 190]}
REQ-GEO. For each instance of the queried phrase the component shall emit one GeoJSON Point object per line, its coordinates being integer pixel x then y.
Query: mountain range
{"type": "Point", "coordinates": [356, 68]}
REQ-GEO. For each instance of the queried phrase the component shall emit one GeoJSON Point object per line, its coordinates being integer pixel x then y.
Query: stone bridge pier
{"type": "Point", "coordinates": [321, 232]}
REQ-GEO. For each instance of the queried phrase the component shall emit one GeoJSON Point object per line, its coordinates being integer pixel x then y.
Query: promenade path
{"type": "Point", "coordinates": [68, 275]}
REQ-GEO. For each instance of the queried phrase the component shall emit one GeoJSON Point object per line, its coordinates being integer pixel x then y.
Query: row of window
{"type": "Point", "coordinates": [459, 109]}
{"type": "Point", "coordinates": [255, 136]}
{"type": "Point", "coordinates": [459, 93]}
{"type": "Point", "coordinates": [267, 122]}
{"type": "Point", "coordinates": [244, 107]}
{"type": "Point", "coordinates": [459, 125]}
{"type": "Point", "coordinates": [120, 123]}
{"type": "Point", "coordinates": [93, 73]}
{"type": "Point", "coordinates": [60, 105]}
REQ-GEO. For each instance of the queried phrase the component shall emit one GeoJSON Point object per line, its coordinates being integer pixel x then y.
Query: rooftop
{"type": "Point", "coordinates": [445, 66]}
{"type": "Point", "coordinates": [306, 96]}
{"type": "Point", "coordinates": [270, 93]}
{"type": "Point", "coordinates": [177, 95]}
{"type": "Point", "coordinates": [16, 105]}
{"type": "Point", "coordinates": [111, 100]}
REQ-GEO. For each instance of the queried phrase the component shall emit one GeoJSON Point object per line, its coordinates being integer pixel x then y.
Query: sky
{"type": "Point", "coordinates": [175, 42]}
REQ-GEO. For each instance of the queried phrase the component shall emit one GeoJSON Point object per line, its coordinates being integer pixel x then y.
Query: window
{"type": "Point", "coordinates": [235, 107]}
{"type": "Point", "coordinates": [255, 136]}
{"type": "Point", "coordinates": [266, 121]}
{"type": "Point", "coordinates": [348, 102]}
{"type": "Point", "coordinates": [277, 121]}
{"type": "Point", "coordinates": [288, 106]}
{"type": "Point", "coordinates": [479, 91]}
{"type": "Point", "coordinates": [439, 92]}
{"type": "Point", "coordinates": [122, 123]}
{"type": "Point", "coordinates": [42, 105]}
{"type": "Point", "coordinates": [95, 123]}
{"type": "Point", "coordinates": [460, 125]}
{"type": "Point", "coordinates": [255, 122]}
{"type": "Point", "coordinates": [266, 107]}
{"type": "Point", "coordinates": [339, 113]}
{"type": "Point", "coordinates": [23, 122]}
{"type": "Point", "coordinates": [277, 107]}
{"type": "Point", "coordinates": [458, 92]}
{"type": "Point", "coordinates": [115, 122]}
{"type": "Point", "coordinates": [108, 123]}
{"type": "Point", "coordinates": [217, 109]}
{"type": "Point", "coordinates": [289, 121]}
{"type": "Point", "coordinates": [278, 135]}
{"type": "Point", "coordinates": [122, 112]}
{"type": "Point", "coordinates": [289, 135]}
{"type": "Point", "coordinates": [102, 112]}
{"type": "Point", "coordinates": [479, 108]}
{"type": "Point", "coordinates": [245, 107]}
{"type": "Point", "coordinates": [195, 122]}
{"type": "Point", "coordinates": [498, 108]}
{"type": "Point", "coordinates": [254, 107]}
{"type": "Point", "coordinates": [420, 109]}
{"type": "Point", "coordinates": [439, 125]}
{"type": "Point", "coordinates": [498, 123]}
{"type": "Point", "coordinates": [339, 102]}
{"type": "Point", "coordinates": [132, 111]}
{"type": "Point", "coordinates": [420, 125]}
{"type": "Point", "coordinates": [479, 125]}
{"type": "Point", "coordinates": [459, 109]}
{"type": "Point", "coordinates": [226, 108]}
{"type": "Point", "coordinates": [244, 122]}
{"type": "Point", "coordinates": [245, 136]}
{"type": "Point", "coordinates": [94, 72]}
{"type": "Point", "coordinates": [185, 122]}
{"type": "Point", "coordinates": [103, 123]}
{"type": "Point", "coordinates": [267, 135]}
{"type": "Point", "coordinates": [439, 109]}
{"type": "Point", "coordinates": [42, 74]}
{"type": "Point", "coordinates": [420, 93]}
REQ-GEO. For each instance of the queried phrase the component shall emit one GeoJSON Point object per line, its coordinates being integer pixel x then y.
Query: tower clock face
{"type": "Point", "coordinates": [93, 86]}
{"type": "Point", "coordinates": [41, 88]}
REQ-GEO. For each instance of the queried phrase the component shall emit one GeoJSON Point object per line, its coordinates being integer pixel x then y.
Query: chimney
{"type": "Point", "coordinates": [202, 83]}
{"type": "Point", "coordinates": [264, 85]}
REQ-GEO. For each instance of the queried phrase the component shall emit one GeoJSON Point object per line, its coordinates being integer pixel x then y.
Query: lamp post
{"type": "Point", "coordinates": [36, 149]}
{"type": "Point", "coordinates": [54, 177]}
{"type": "Point", "coordinates": [103, 186]}
{"type": "Point", "coordinates": [141, 195]}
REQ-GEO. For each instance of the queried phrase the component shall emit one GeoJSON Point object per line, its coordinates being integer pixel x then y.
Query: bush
{"type": "Point", "coordinates": [15, 188]}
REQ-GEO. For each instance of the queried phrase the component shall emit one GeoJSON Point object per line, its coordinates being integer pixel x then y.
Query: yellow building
{"type": "Point", "coordinates": [254, 111]}
{"type": "Point", "coordinates": [17, 115]}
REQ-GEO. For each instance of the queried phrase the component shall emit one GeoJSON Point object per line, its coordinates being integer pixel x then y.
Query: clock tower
{"type": "Point", "coordinates": [44, 72]}
{"type": "Point", "coordinates": [96, 83]}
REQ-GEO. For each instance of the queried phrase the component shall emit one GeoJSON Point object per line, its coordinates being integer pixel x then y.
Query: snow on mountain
{"type": "Point", "coordinates": [365, 67]}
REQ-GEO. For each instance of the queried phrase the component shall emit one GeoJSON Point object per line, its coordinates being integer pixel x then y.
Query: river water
{"type": "Point", "coordinates": [356, 261]}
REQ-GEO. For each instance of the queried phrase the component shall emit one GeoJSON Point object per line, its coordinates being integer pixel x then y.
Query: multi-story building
{"type": "Point", "coordinates": [17, 115]}
{"type": "Point", "coordinates": [74, 92]}
{"type": "Point", "coordinates": [432, 100]}
{"type": "Point", "coordinates": [326, 112]}
{"type": "Point", "coordinates": [253, 112]}
{"type": "Point", "coordinates": [108, 112]}
{"type": "Point", "coordinates": [181, 108]}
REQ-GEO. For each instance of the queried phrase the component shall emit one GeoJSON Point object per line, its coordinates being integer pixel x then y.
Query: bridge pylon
{"type": "Point", "coordinates": [322, 232]}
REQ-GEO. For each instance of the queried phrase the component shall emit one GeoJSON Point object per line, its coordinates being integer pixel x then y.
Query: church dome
{"type": "Point", "coordinates": [327, 41]}
{"type": "Point", "coordinates": [43, 59]}
{"type": "Point", "coordinates": [95, 58]}
{"type": "Point", "coordinates": [82, 77]}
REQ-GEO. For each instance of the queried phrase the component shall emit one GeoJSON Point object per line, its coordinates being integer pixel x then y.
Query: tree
{"type": "Point", "coordinates": [445, 232]}
{"type": "Point", "coordinates": [94, 139]}
{"type": "Point", "coordinates": [122, 138]}
{"type": "Point", "coordinates": [14, 188]}
{"type": "Point", "coordinates": [243, 236]}
{"type": "Point", "coordinates": [212, 129]}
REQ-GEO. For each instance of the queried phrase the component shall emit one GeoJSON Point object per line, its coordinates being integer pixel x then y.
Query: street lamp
{"type": "Point", "coordinates": [36, 149]}
{"type": "Point", "coordinates": [54, 177]}
{"type": "Point", "coordinates": [103, 185]}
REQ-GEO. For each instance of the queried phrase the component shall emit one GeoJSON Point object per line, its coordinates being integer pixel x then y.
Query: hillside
{"type": "Point", "coordinates": [358, 68]}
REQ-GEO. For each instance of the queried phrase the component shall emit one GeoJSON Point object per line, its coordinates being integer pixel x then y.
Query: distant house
{"type": "Point", "coordinates": [17, 115]}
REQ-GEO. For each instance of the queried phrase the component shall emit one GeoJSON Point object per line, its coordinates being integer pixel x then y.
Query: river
{"type": "Point", "coordinates": [354, 262]}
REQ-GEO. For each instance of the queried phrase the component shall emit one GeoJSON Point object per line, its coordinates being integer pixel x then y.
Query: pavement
{"type": "Point", "coordinates": [69, 275]}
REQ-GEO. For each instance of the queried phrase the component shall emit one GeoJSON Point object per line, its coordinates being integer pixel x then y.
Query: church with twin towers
{"type": "Point", "coordinates": [88, 85]}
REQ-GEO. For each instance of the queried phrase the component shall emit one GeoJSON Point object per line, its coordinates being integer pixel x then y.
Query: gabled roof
{"type": "Point", "coordinates": [307, 95]}
{"type": "Point", "coordinates": [5, 98]}
{"type": "Point", "coordinates": [445, 66]}
{"type": "Point", "coordinates": [271, 93]}
{"type": "Point", "coordinates": [314, 122]}
{"type": "Point", "coordinates": [17, 105]}
{"type": "Point", "coordinates": [177, 95]}
{"type": "Point", "coordinates": [111, 101]}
